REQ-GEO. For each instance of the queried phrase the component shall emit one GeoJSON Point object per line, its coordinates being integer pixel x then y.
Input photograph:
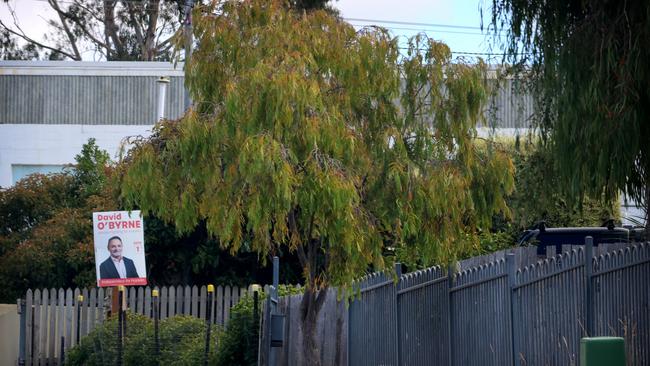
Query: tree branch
{"type": "Point", "coordinates": [30, 40]}
{"type": "Point", "coordinates": [164, 46]}
{"type": "Point", "coordinates": [110, 28]}
{"type": "Point", "coordinates": [137, 26]}
{"type": "Point", "coordinates": [66, 29]}
{"type": "Point", "coordinates": [150, 49]}
{"type": "Point", "coordinates": [78, 23]}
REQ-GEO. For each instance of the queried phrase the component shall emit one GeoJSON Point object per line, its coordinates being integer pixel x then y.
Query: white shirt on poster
{"type": "Point", "coordinates": [119, 265]}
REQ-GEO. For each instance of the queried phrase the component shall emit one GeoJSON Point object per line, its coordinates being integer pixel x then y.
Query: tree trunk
{"type": "Point", "coordinates": [310, 307]}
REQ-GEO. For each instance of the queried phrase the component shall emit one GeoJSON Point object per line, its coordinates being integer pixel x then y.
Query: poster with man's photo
{"type": "Point", "coordinates": [119, 249]}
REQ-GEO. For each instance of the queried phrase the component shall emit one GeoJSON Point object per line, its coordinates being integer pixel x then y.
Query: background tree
{"type": "Point", "coordinates": [113, 30]}
{"type": "Point", "coordinates": [46, 237]}
{"type": "Point", "coordinates": [587, 61]}
{"type": "Point", "coordinates": [10, 50]}
{"type": "Point", "coordinates": [302, 138]}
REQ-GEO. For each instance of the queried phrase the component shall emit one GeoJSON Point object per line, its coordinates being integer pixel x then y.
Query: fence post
{"type": "Point", "coordinates": [80, 300]}
{"type": "Point", "coordinates": [21, 347]}
{"type": "Point", "coordinates": [256, 317]}
{"type": "Point", "coordinates": [398, 273]}
{"type": "Point", "coordinates": [208, 323]}
{"type": "Point", "coordinates": [120, 320]}
{"type": "Point", "coordinates": [589, 295]}
{"type": "Point", "coordinates": [62, 353]}
{"type": "Point", "coordinates": [511, 270]}
{"type": "Point", "coordinates": [276, 275]}
{"type": "Point", "coordinates": [273, 308]}
{"type": "Point", "coordinates": [156, 315]}
{"type": "Point", "coordinates": [450, 333]}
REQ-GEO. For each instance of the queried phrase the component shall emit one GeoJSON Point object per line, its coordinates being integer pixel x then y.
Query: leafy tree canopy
{"type": "Point", "coordinates": [46, 236]}
{"type": "Point", "coordinates": [113, 30]}
{"type": "Point", "coordinates": [589, 73]}
{"type": "Point", "coordinates": [310, 135]}
{"type": "Point", "coordinates": [10, 50]}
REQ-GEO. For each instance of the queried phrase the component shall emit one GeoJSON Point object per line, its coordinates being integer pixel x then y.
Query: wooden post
{"type": "Point", "coordinates": [119, 324]}
{"type": "Point", "coordinates": [156, 306]}
{"type": "Point", "coordinates": [208, 324]}
{"type": "Point", "coordinates": [80, 300]}
{"type": "Point", "coordinates": [114, 300]}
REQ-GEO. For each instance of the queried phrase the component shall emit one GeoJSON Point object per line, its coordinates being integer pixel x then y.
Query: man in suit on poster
{"type": "Point", "coordinates": [117, 266]}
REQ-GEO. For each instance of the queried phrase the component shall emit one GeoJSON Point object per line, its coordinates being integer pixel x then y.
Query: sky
{"type": "Point", "coordinates": [455, 22]}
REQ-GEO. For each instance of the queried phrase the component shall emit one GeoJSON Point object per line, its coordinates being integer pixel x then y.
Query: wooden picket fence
{"type": "Point", "coordinates": [49, 317]}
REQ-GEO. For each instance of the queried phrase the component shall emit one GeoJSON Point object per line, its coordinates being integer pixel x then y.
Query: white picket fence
{"type": "Point", "coordinates": [49, 317]}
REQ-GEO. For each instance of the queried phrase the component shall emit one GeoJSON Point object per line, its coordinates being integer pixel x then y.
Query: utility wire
{"type": "Point", "coordinates": [412, 23]}
{"type": "Point", "coordinates": [426, 30]}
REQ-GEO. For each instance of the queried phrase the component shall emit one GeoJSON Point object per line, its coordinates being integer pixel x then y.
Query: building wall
{"type": "Point", "coordinates": [9, 334]}
{"type": "Point", "coordinates": [49, 109]}
{"type": "Point", "coordinates": [56, 145]}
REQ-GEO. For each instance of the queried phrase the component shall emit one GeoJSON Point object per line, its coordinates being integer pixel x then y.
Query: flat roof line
{"type": "Point", "coordinates": [91, 68]}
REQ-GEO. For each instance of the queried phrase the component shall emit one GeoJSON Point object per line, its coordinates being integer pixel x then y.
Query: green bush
{"type": "Point", "coordinates": [539, 196]}
{"type": "Point", "coordinates": [238, 344]}
{"type": "Point", "coordinates": [182, 342]}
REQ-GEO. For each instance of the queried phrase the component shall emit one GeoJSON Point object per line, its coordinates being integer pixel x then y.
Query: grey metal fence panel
{"type": "Point", "coordinates": [551, 302]}
{"type": "Point", "coordinates": [423, 319]}
{"type": "Point", "coordinates": [541, 307]}
{"type": "Point", "coordinates": [375, 312]}
{"type": "Point", "coordinates": [622, 298]}
{"type": "Point", "coordinates": [480, 316]}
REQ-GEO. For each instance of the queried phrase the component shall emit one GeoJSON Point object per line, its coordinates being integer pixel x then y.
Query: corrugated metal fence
{"type": "Point", "coordinates": [497, 314]}
{"type": "Point", "coordinates": [48, 315]}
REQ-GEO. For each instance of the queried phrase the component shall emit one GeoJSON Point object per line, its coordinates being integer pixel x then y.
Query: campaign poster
{"type": "Point", "coordinates": [119, 249]}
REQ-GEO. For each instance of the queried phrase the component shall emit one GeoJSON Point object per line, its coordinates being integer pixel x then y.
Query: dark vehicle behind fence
{"type": "Point", "coordinates": [543, 237]}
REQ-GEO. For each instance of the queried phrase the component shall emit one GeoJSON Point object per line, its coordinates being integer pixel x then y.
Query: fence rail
{"type": "Point", "coordinates": [498, 314]}
{"type": "Point", "coordinates": [49, 317]}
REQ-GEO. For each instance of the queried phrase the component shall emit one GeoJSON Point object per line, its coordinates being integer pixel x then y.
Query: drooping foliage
{"type": "Point", "coordinates": [536, 197]}
{"type": "Point", "coordinates": [46, 236]}
{"type": "Point", "coordinates": [588, 62]}
{"type": "Point", "coordinates": [114, 30]}
{"type": "Point", "coordinates": [309, 135]}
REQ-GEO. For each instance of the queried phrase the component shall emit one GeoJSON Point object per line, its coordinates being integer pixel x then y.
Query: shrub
{"type": "Point", "coordinates": [182, 342]}
{"type": "Point", "coordinates": [238, 345]}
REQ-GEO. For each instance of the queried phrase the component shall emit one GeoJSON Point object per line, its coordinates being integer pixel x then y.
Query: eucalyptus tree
{"type": "Point", "coordinates": [309, 135]}
{"type": "Point", "coordinates": [114, 30]}
{"type": "Point", "coordinates": [588, 64]}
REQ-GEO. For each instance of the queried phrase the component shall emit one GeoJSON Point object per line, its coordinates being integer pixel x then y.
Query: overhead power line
{"type": "Point", "coordinates": [426, 30]}
{"type": "Point", "coordinates": [412, 23]}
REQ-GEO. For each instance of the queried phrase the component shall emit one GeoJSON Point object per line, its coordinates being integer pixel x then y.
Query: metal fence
{"type": "Point", "coordinates": [498, 314]}
{"type": "Point", "coordinates": [50, 319]}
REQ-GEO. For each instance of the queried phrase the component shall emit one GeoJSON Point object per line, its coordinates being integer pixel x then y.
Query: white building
{"type": "Point", "coordinates": [49, 109]}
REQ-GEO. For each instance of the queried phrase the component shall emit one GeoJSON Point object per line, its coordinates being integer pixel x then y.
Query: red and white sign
{"type": "Point", "coordinates": [119, 249]}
